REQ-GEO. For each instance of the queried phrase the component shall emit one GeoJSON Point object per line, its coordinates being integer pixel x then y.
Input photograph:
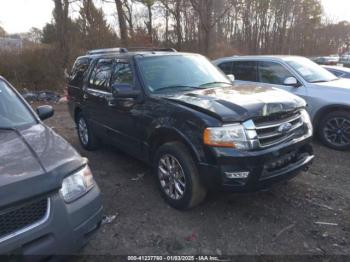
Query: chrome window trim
{"type": "Point", "coordinates": [32, 226]}
{"type": "Point", "coordinates": [92, 90]}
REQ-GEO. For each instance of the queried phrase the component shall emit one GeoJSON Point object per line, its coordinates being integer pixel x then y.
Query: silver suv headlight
{"type": "Point", "coordinates": [307, 120]}
{"type": "Point", "coordinates": [233, 136]}
{"type": "Point", "coordinates": [77, 184]}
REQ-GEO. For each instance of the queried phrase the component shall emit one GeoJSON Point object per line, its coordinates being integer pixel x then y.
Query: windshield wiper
{"type": "Point", "coordinates": [7, 128]}
{"type": "Point", "coordinates": [318, 81]}
{"type": "Point", "coordinates": [175, 87]}
{"type": "Point", "coordinates": [213, 83]}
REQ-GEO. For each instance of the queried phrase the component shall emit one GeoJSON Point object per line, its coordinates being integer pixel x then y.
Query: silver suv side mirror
{"type": "Point", "coordinates": [231, 77]}
{"type": "Point", "coordinates": [291, 81]}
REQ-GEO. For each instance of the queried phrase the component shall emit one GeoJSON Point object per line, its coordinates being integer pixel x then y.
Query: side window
{"type": "Point", "coordinates": [122, 74]}
{"type": "Point", "coordinates": [245, 70]}
{"type": "Point", "coordinates": [273, 73]}
{"type": "Point", "coordinates": [80, 67]}
{"type": "Point", "coordinates": [226, 67]}
{"type": "Point", "coordinates": [101, 75]}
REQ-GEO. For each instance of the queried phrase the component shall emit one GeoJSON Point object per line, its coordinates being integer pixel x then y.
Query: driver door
{"type": "Point", "coordinates": [122, 112]}
{"type": "Point", "coordinates": [276, 74]}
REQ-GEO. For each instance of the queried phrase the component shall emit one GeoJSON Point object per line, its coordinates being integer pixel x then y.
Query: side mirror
{"type": "Point", "coordinates": [231, 77]}
{"type": "Point", "coordinates": [124, 91]}
{"type": "Point", "coordinates": [45, 112]}
{"type": "Point", "coordinates": [291, 81]}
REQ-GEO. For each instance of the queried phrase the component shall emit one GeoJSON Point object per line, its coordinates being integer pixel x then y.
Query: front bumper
{"type": "Point", "coordinates": [265, 167]}
{"type": "Point", "coordinates": [67, 229]}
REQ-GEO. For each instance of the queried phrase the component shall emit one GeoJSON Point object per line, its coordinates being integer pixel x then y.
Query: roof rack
{"type": "Point", "coordinates": [155, 49]}
{"type": "Point", "coordinates": [107, 51]}
{"type": "Point", "coordinates": [125, 50]}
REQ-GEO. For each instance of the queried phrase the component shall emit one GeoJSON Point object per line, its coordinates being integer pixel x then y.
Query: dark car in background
{"type": "Point", "coordinates": [183, 116]}
{"type": "Point", "coordinates": [49, 201]}
{"type": "Point", "coordinates": [338, 71]}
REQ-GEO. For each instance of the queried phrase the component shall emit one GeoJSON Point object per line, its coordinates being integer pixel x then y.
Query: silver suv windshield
{"type": "Point", "coordinates": [13, 113]}
{"type": "Point", "coordinates": [310, 71]}
{"type": "Point", "coordinates": [174, 73]}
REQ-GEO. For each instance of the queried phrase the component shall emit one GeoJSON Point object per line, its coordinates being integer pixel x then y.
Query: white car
{"type": "Point", "coordinates": [328, 96]}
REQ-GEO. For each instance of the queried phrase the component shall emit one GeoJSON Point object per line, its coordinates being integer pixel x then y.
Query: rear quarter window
{"type": "Point", "coordinates": [79, 70]}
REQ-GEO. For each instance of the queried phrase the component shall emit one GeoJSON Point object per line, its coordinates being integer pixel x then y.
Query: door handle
{"type": "Point", "coordinates": [111, 102]}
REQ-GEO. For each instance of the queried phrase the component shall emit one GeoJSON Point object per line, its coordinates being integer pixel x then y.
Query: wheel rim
{"type": "Point", "coordinates": [172, 177]}
{"type": "Point", "coordinates": [83, 131]}
{"type": "Point", "coordinates": [337, 131]}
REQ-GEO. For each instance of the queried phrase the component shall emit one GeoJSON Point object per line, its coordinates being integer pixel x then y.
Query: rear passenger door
{"type": "Point", "coordinates": [245, 71]}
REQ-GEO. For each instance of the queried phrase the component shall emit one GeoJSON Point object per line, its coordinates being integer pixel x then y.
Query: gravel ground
{"type": "Point", "coordinates": [280, 221]}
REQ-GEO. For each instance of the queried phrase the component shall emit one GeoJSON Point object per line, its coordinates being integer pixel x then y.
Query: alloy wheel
{"type": "Point", "coordinates": [83, 131]}
{"type": "Point", "coordinates": [337, 131]}
{"type": "Point", "coordinates": [172, 177]}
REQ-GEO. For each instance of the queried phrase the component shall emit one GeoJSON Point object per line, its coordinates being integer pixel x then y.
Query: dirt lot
{"type": "Point", "coordinates": [282, 220]}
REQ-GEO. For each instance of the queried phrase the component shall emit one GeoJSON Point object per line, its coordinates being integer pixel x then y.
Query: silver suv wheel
{"type": "Point", "coordinates": [337, 131]}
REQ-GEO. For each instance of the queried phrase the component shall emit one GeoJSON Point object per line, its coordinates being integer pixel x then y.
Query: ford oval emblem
{"type": "Point", "coordinates": [285, 128]}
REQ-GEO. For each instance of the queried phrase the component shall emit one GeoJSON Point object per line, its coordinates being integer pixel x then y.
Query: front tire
{"type": "Point", "coordinates": [87, 138]}
{"type": "Point", "coordinates": [177, 176]}
{"type": "Point", "coordinates": [334, 130]}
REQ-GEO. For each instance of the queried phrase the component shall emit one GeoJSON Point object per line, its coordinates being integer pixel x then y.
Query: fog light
{"type": "Point", "coordinates": [235, 175]}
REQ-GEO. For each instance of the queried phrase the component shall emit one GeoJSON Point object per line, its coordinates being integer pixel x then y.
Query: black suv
{"type": "Point", "coordinates": [180, 113]}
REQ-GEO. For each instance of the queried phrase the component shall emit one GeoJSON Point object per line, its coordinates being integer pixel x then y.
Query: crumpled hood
{"type": "Point", "coordinates": [240, 102]}
{"type": "Point", "coordinates": [33, 161]}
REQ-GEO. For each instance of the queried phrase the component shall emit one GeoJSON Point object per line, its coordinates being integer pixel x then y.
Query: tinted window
{"type": "Point", "coordinates": [273, 73]}
{"type": "Point", "coordinates": [245, 70]}
{"type": "Point", "coordinates": [13, 113]}
{"type": "Point", "coordinates": [226, 67]}
{"type": "Point", "coordinates": [79, 71]}
{"type": "Point", "coordinates": [101, 74]}
{"type": "Point", "coordinates": [122, 74]}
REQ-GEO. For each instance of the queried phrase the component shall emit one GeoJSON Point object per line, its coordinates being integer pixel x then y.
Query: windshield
{"type": "Point", "coordinates": [180, 72]}
{"type": "Point", "coordinates": [13, 113]}
{"type": "Point", "coordinates": [310, 71]}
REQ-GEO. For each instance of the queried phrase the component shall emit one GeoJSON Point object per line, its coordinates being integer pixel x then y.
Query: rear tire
{"type": "Point", "coordinates": [87, 138]}
{"type": "Point", "coordinates": [334, 130]}
{"type": "Point", "coordinates": [177, 173]}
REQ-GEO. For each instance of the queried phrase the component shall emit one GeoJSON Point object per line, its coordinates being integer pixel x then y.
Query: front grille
{"type": "Point", "coordinates": [269, 132]}
{"type": "Point", "coordinates": [20, 218]}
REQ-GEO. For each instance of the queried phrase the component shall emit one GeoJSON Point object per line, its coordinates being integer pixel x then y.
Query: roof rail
{"type": "Point", "coordinates": [155, 49]}
{"type": "Point", "coordinates": [125, 50]}
{"type": "Point", "coordinates": [107, 51]}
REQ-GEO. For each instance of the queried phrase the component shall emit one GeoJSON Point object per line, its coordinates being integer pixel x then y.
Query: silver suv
{"type": "Point", "coordinates": [328, 97]}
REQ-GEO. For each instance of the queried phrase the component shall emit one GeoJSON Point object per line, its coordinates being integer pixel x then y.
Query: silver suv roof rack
{"type": "Point", "coordinates": [125, 50]}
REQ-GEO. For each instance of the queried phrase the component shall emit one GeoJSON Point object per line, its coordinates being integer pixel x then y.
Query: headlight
{"type": "Point", "coordinates": [76, 185]}
{"type": "Point", "coordinates": [306, 119]}
{"type": "Point", "coordinates": [233, 136]}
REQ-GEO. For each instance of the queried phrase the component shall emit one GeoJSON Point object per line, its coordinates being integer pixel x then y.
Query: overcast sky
{"type": "Point", "coordinates": [18, 16]}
